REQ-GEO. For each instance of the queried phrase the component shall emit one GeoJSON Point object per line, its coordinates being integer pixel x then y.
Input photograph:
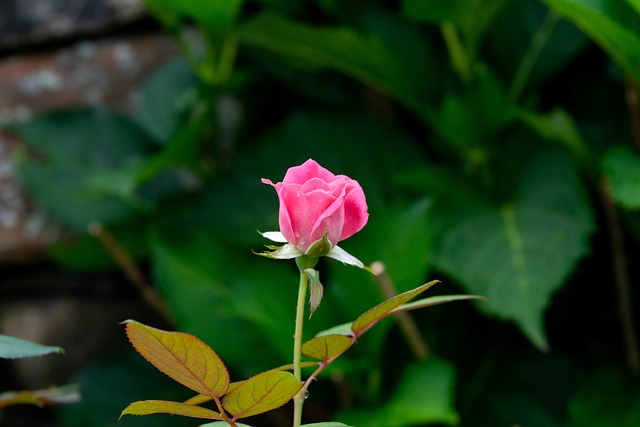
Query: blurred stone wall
{"type": "Point", "coordinates": [57, 54]}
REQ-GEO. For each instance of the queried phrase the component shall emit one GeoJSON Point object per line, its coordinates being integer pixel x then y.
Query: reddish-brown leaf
{"type": "Point", "coordinates": [182, 357]}
{"type": "Point", "coordinates": [371, 317]}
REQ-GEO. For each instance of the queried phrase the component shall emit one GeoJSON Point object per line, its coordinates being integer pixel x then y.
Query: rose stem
{"type": "Point", "coordinates": [407, 325]}
{"type": "Point", "coordinates": [298, 400]}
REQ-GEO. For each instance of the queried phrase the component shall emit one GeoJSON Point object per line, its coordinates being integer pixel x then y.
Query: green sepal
{"type": "Point", "coordinates": [321, 247]}
{"type": "Point", "coordinates": [316, 291]}
{"type": "Point", "coordinates": [286, 251]}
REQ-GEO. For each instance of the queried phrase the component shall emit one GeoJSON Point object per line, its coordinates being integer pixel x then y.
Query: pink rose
{"type": "Point", "coordinates": [314, 201]}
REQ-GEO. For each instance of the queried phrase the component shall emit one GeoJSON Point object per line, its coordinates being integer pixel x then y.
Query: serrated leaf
{"type": "Point", "coordinates": [261, 393]}
{"type": "Point", "coordinates": [326, 347]}
{"type": "Point", "coordinates": [182, 357]}
{"type": "Point", "coordinates": [371, 317]}
{"type": "Point", "coordinates": [519, 253]}
{"type": "Point", "coordinates": [148, 407]}
{"type": "Point", "coordinates": [431, 301]}
{"type": "Point", "coordinates": [16, 348]}
{"type": "Point", "coordinates": [621, 168]}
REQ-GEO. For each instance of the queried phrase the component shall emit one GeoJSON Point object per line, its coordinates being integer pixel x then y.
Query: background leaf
{"type": "Point", "coordinates": [518, 254]}
{"type": "Point", "coordinates": [621, 168]}
{"type": "Point", "coordinates": [424, 395]}
{"type": "Point", "coordinates": [16, 348]}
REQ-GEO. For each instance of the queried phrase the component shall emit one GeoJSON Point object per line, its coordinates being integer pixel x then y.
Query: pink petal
{"type": "Point", "coordinates": [302, 211]}
{"type": "Point", "coordinates": [355, 210]}
{"type": "Point", "coordinates": [306, 171]}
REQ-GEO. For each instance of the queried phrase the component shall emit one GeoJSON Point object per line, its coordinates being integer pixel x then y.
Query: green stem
{"type": "Point", "coordinates": [530, 58]}
{"type": "Point", "coordinates": [298, 400]}
{"type": "Point", "coordinates": [459, 57]}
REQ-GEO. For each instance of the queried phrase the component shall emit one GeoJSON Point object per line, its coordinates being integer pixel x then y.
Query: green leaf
{"type": "Point", "coordinates": [85, 165]}
{"type": "Point", "coordinates": [608, 397]}
{"type": "Point", "coordinates": [371, 317]}
{"type": "Point", "coordinates": [472, 17]}
{"type": "Point", "coordinates": [16, 348]}
{"type": "Point", "coordinates": [216, 15]}
{"type": "Point", "coordinates": [530, 43]}
{"type": "Point", "coordinates": [558, 126]}
{"type": "Point", "coordinates": [182, 357]}
{"type": "Point", "coordinates": [621, 43]}
{"type": "Point", "coordinates": [166, 98]}
{"type": "Point", "coordinates": [519, 253]}
{"type": "Point", "coordinates": [148, 407]}
{"type": "Point", "coordinates": [424, 395]}
{"type": "Point", "coordinates": [326, 347]}
{"type": "Point", "coordinates": [261, 393]}
{"type": "Point", "coordinates": [621, 168]}
{"type": "Point", "coordinates": [360, 56]}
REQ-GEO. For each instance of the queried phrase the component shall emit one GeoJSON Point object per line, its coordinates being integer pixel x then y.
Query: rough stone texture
{"type": "Point", "coordinates": [89, 73]}
{"type": "Point", "coordinates": [27, 22]}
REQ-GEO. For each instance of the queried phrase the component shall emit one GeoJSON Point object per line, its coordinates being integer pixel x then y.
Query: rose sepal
{"type": "Point", "coordinates": [286, 251]}
{"type": "Point", "coordinates": [319, 248]}
{"type": "Point", "coordinates": [345, 257]}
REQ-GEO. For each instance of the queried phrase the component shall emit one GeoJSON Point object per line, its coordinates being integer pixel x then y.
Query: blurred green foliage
{"type": "Point", "coordinates": [485, 134]}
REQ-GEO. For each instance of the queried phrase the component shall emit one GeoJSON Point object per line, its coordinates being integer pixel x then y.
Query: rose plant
{"type": "Point", "coordinates": [318, 209]}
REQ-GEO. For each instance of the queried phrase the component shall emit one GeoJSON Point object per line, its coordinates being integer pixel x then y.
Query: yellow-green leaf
{"type": "Point", "coordinates": [147, 407]}
{"type": "Point", "coordinates": [371, 317]}
{"type": "Point", "coordinates": [326, 346]}
{"type": "Point", "coordinates": [441, 299]}
{"type": "Point", "coordinates": [261, 393]}
{"type": "Point", "coordinates": [198, 399]}
{"type": "Point", "coordinates": [182, 357]}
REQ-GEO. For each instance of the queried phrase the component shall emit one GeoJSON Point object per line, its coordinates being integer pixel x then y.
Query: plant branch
{"type": "Point", "coordinates": [621, 278]}
{"type": "Point", "coordinates": [407, 324]}
{"type": "Point", "coordinates": [129, 267]}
